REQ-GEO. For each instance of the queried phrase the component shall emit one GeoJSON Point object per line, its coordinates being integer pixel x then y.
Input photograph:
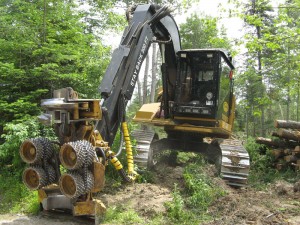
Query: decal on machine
{"type": "Point", "coordinates": [139, 62]}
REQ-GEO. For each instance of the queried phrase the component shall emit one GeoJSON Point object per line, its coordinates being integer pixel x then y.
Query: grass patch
{"type": "Point", "coordinates": [190, 205]}
{"type": "Point", "coordinates": [15, 197]}
{"type": "Point", "coordinates": [121, 215]}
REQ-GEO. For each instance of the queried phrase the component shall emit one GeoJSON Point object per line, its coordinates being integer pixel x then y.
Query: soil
{"type": "Point", "coordinates": [278, 204]}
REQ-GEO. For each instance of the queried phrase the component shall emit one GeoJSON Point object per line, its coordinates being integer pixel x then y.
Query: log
{"type": "Point", "coordinates": [297, 166]}
{"type": "Point", "coordinates": [290, 158]}
{"type": "Point", "coordinates": [290, 135]}
{"type": "Point", "coordinates": [287, 151]}
{"type": "Point", "coordinates": [277, 153]}
{"type": "Point", "coordinates": [287, 124]}
{"type": "Point", "coordinates": [276, 143]}
{"type": "Point", "coordinates": [296, 151]}
{"type": "Point", "coordinates": [274, 134]}
{"type": "Point", "coordinates": [267, 141]}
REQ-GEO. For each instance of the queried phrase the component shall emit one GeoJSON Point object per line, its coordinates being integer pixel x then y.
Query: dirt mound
{"type": "Point", "coordinates": [276, 205]}
{"type": "Point", "coordinates": [147, 198]}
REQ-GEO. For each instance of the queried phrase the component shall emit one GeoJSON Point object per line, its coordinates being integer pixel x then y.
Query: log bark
{"type": "Point", "coordinates": [287, 151]}
{"type": "Point", "coordinates": [277, 153]}
{"type": "Point", "coordinates": [296, 151]}
{"type": "Point", "coordinates": [290, 158]}
{"type": "Point", "coordinates": [290, 135]}
{"type": "Point", "coordinates": [274, 134]}
{"type": "Point", "coordinates": [269, 142]}
{"type": "Point", "coordinates": [287, 124]}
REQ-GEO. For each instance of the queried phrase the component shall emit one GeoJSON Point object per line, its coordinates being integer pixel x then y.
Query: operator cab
{"type": "Point", "coordinates": [204, 84]}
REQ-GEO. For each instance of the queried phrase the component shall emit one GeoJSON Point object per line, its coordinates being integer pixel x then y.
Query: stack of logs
{"type": "Point", "coordinates": [286, 147]}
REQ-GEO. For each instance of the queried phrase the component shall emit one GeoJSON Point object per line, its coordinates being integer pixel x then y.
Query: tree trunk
{"type": "Point", "coordinates": [298, 93]}
{"type": "Point", "coordinates": [287, 124]}
{"type": "Point", "coordinates": [154, 70]}
{"type": "Point", "coordinates": [145, 80]}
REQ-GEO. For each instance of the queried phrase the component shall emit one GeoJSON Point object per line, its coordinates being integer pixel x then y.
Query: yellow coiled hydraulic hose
{"type": "Point", "coordinates": [117, 164]}
{"type": "Point", "coordinates": [131, 175]}
{"type": "Point", "coordinates": [128, 148]}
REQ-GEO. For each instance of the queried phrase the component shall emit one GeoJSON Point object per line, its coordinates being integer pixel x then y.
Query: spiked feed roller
{"type": "Point", "coordinates": [72, 185]}
{"type": "Point", "coordinates": [76, 156]}
{"type": "Point", "coordinates": [37, 152]}
{"type": "Point", "coordinates": [34, 178]}
{"type": "Point", "coordinates": [73, 155]}
{"type": "Point", "coordinates": [31, 151]}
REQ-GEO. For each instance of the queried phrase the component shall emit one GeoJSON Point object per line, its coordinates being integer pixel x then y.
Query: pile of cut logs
{"type": "Point", "coordinates": [286, 147]}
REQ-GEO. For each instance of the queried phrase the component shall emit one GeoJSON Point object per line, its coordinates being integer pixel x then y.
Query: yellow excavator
{"type": "Point", "coordinates": [196, 109]}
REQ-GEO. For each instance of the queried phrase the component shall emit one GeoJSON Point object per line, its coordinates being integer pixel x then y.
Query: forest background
{"type": "Point", "coordinates": [51, 44]}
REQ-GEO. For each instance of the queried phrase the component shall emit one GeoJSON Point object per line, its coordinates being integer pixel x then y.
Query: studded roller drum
{"type": "Point", "coordinates": [48, 147]}
{"type": "Point", "coordinates": [144, 156]}
{"type": "Point", "coordinates": [71, 184]}
{"type": "Point", "coordinates": [89, 181]}
{"type": "Point", "coordinates": [31, 151]}
{"type": "Point", "coordinates": [73, 155]}
{"type": "Point", "coordinates": [51, 174]}
{"type": "Point", "coordinates": [235, 163]}
{"type": "Point", "coordinates": [34, 178]}
{"type": "Point", "coordinates": [89, 151]}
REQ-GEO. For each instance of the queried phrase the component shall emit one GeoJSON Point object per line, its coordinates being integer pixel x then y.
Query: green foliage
{"type": "Point", "coordinates": [200, 32]}
{"type": "Point", "coordinates": [201, 190]}
{"type": "Point", "coordinates": [262, 172]}
{"type": "Point", "coordinates": [15, 133]}
{"type": "Point", "coordinates": [15, 197]}
{"type": "Point", "coordinates": [42, 48]}
{"type": "Point", "coordinates": [269, 71]}
{"type": "Point", "coordinates": [122, 215]}
{"type": "Point", "coordinates": [190, 205]}
{"type": "Point", "coordinates": [176, 207]}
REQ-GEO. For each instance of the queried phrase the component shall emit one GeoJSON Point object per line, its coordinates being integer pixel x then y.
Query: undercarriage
{"type": "Point", "coordinates": [229, 156]}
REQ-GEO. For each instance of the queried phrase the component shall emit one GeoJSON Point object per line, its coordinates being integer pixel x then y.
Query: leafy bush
{"type": "Point", "coordinates": [15, 197]}
{"type": "Point", "coordinates": [15, 133]}
{"type": "Point", "coordinates": [176, 207]}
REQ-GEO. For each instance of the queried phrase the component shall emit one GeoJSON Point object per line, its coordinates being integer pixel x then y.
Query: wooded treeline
{"type": "Point", "coordinates": [50, 44]}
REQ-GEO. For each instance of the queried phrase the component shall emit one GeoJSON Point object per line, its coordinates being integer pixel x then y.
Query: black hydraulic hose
{"type": "Point", "coordinates": [124, 176]}
{"type": "Point", "coordinates": [161, 13]}
{"type": "Point", "coordinates": [100, 152]}
{"type": "Point", "coordinates": [121, 144]}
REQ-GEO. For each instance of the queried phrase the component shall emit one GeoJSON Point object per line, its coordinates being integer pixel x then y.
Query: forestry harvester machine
{"type": "Point", "coordinates": [196, 110]}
